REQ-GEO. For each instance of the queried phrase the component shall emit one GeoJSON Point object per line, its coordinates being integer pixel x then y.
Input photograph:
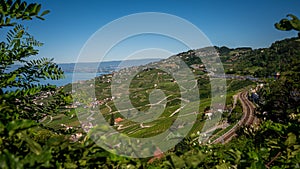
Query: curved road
{"type": "Point", "coordinates": [247, 119]}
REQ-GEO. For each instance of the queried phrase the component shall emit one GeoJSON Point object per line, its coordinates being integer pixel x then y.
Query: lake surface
{"type": "Point", "coordinates": [69, 78]}
{"type": "Point", "coordinates": [86, 71]}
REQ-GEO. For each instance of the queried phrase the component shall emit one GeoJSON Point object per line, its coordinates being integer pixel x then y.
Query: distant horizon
{"type": "Point", "coordinates": [120, 60]}
{"type": "Point", "coordinates": [226, 23]}
{"type": "Point", "coordinates": [112, 60]}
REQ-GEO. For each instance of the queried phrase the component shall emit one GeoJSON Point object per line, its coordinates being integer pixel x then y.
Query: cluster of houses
{"type": "Point", "coordinates": [93, 104]}
{"type": "Point", "coordinates": [43, 95]}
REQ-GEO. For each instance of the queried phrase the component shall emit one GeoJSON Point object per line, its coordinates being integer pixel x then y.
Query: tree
{"type": "Point", "coordinates": [17, 48]}
{"type": "Point", "coordinates": [20, 108]}
{"type": "Point", "coordinates": [289, 24]}
{"type": "Point", "coordinates": [12, 11]}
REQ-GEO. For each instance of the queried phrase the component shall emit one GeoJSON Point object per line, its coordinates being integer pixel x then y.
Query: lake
{"type": "Point", "coordinates": [69, 78]}
{"type": "Point", "coordinates": [87, 71]}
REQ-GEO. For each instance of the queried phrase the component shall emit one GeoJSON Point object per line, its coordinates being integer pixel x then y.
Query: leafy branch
{"type": "Point", "coordinates": [290, 23]}
{"type": "Point", "coordinates": [11, 11]}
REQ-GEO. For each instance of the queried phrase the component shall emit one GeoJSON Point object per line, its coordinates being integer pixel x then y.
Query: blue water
{"type": "Point", "coordinates": [85, 71]}
{"type": "Point", "coordinates": [70, 77]}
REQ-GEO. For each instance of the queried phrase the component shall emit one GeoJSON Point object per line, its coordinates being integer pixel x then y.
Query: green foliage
{"type": "Point", "coordinates": [280, 99]}
{"type": "Point", "coordinates": [10, 11]}
{"type": "Point", "coordinates": [223, 50]}
{"type": "Point", "coordinates": [23, 106]}
{"type": "Point", "coordinates": [17, 48]}
{"type": "Point", "coordinates": [289, 24]}
{"type": "Point", "coordinates": [279, 57]}
{"type": "Point", "coordinates": [235, 85]}
{"type": "Point", "coordinates": [236, 114]}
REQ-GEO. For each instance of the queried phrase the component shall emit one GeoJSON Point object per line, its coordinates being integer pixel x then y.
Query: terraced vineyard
{"type": "Point", "coordinates": [150, 103]}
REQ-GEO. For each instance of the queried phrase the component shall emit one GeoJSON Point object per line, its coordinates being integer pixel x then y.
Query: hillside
{"type": "Point", "coordinates": [159, 93]}
{"type": "Point", "coordinates": [239, 63]}
{"type": "Point", "coordinates": [275, 142]}
{"type": "Point", "coordinates": [281, 56]}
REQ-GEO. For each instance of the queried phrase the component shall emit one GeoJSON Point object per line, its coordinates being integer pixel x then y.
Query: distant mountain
{"type": "Point", "coordinates": [106, 66]}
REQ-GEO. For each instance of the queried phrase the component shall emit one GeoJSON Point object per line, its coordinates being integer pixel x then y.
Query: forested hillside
{"type": "Point", "coordinates": [281, 56]}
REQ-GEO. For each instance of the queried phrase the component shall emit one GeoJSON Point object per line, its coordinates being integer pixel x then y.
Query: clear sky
{"type": "Point", "coordinates": [232, 23]}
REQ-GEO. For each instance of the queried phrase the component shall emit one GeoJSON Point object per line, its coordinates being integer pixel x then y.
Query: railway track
{"type": "Point", "coordinates": [247, 119]}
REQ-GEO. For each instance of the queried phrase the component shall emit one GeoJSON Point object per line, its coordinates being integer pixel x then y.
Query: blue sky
{"type": "Point", "coordinates": [232, 23]}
